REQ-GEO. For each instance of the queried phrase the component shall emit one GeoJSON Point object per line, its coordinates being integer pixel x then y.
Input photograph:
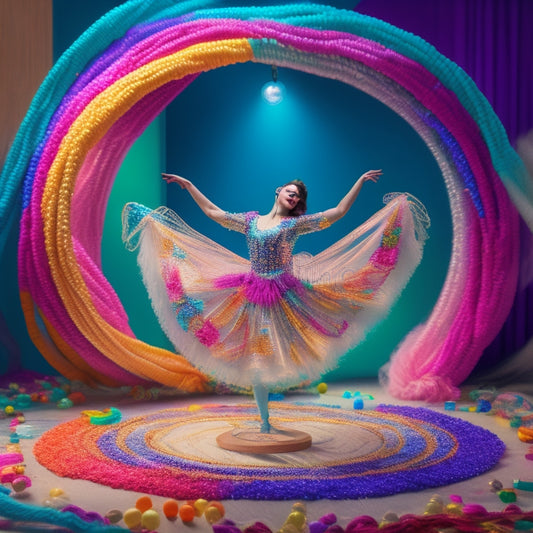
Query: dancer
{"type": "Point", "coordinates": [278, 319]}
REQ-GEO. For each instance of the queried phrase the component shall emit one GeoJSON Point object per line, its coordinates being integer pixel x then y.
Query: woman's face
{"type": "Point", "coordinates": [289, 196]}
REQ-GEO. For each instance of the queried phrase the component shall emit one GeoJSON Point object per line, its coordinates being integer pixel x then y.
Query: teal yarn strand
{"type": "Point", "coordinates": [32, 514]}
{"type": "Point", "coordinates": [282, 13]}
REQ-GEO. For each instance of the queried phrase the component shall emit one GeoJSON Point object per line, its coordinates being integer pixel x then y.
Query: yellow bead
{"type": "Point", "coordinates": [132, 518]}
{"type": "Point", "coordinates": [322, 388]}
{"type": "Point", "coordinates": [199, 506]}
{"type": "Point", "coordinates": [212, 515]}
{"type": "Point", "coordinates": [54, 493]}
{"type": "Point", "coordinates": [297, 519]}
{"type": "Point", "coordinates": [288, 528]}
{"type": "Point", "coordinates": [150, 520]}
{"type": "Point", "coordinates": [433, 508]}
{"type": "Point", "coordinates": [454, 508]}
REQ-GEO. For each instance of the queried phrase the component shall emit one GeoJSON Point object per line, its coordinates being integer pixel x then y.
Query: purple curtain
{"type": "Point", "coordinates": [492, 40]}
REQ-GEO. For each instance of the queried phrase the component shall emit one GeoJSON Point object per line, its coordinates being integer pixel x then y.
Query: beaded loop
{"type": "Point", "coordinates": [132, 62]}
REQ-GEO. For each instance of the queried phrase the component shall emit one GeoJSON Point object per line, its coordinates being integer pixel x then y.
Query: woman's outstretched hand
{"type": "Point", "coordinates": [206, 205]}
{"type": "Point", "coordinates": [371, 175]}
{"type": "Point", "coordinates": [173, 178]}
{"type": "Point", "coordinates": [345, 204]}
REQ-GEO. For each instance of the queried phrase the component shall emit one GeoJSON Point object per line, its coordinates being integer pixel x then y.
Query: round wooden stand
{"type": "Point", "coordinates": [253, 441]}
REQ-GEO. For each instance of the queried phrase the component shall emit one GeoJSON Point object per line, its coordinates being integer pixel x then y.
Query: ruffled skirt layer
{"type": "Point", "coordinates": [244, 329]}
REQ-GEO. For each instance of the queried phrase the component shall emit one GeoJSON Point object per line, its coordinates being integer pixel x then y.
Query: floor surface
{"type": "Point", "coordinates": [94, 497]}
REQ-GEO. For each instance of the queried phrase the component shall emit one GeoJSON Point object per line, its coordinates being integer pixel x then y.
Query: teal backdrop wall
{"type": "Point", "coordinates": [238, 149]}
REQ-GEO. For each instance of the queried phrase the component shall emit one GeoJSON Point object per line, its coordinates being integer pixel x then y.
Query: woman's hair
{"type": "Point", "coordinates": [301, 206]}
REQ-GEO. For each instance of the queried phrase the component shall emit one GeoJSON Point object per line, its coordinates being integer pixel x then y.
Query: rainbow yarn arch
{"type": "Point", "coordinates": [124, 71]}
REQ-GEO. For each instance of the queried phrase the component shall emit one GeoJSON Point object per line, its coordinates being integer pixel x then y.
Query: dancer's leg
{"type": "Point", "coordinates": [261, 398]}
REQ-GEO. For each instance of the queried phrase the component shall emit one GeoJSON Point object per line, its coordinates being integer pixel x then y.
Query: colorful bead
{"type": "Point", "coordinates": [150, 519]}
{"type": "Point", "coordinates": [170, 509]}
{"type": "Point", "coordinates": [322, 388]}
{"type": "Point", "coordinates": [214, 512]}
{"type": "Point", "coordinates": [495, 485]}
{"type": "Point", "coordinates": [114, 516]}
{"type": "Point", "coordinates": [144, 503]}
{"type": "Point", "coordinates": [132, 518]}
{"type": "Point", "coordinates": [187, 513]}
{"type": "Point", "coordinates": [199, 506]}
{"type": "Point", "coordinates": [507, 495]}
{"type": "Point", "coordinates": [56, 492]}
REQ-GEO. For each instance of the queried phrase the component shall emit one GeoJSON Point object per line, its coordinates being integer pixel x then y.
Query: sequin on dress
{"type": "Point", "coordinates": [277, 319]}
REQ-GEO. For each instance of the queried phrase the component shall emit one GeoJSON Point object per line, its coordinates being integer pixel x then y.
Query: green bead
{"type": "Point", "coordinates": [507, 496]}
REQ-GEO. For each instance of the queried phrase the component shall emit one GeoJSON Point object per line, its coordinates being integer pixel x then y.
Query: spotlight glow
{"type": "Point", "coordinates": [273, 92]}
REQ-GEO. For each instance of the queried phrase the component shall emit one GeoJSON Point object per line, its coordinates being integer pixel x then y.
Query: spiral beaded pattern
{"type": "Point", "coordinates": [356, 454]}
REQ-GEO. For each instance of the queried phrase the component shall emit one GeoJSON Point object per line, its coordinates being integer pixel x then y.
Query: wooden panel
{"type": "Point", "coordinates": [25, 59]}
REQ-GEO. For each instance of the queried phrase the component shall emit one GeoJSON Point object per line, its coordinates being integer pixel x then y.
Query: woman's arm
{"type": "Point", "coordinates": [335, 213]}
{"type": "Point", "coordinates": [207, 206]}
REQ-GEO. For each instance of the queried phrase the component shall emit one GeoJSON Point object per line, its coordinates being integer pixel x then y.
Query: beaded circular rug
{"type": "Point", "coordinates": [355, 454]}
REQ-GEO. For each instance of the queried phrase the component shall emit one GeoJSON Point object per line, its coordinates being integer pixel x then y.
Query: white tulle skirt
{"type": "Point", "coordinates": [243, 329]}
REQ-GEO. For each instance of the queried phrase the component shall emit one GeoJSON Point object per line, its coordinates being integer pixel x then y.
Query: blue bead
{"type": "Point", "coordinates": [483, 406]}
{"type": "Point", "coordinates": [358, 403]}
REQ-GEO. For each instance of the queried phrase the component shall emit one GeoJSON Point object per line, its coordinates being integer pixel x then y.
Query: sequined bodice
{"type": "Point", "coordinates": [271, 249]}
